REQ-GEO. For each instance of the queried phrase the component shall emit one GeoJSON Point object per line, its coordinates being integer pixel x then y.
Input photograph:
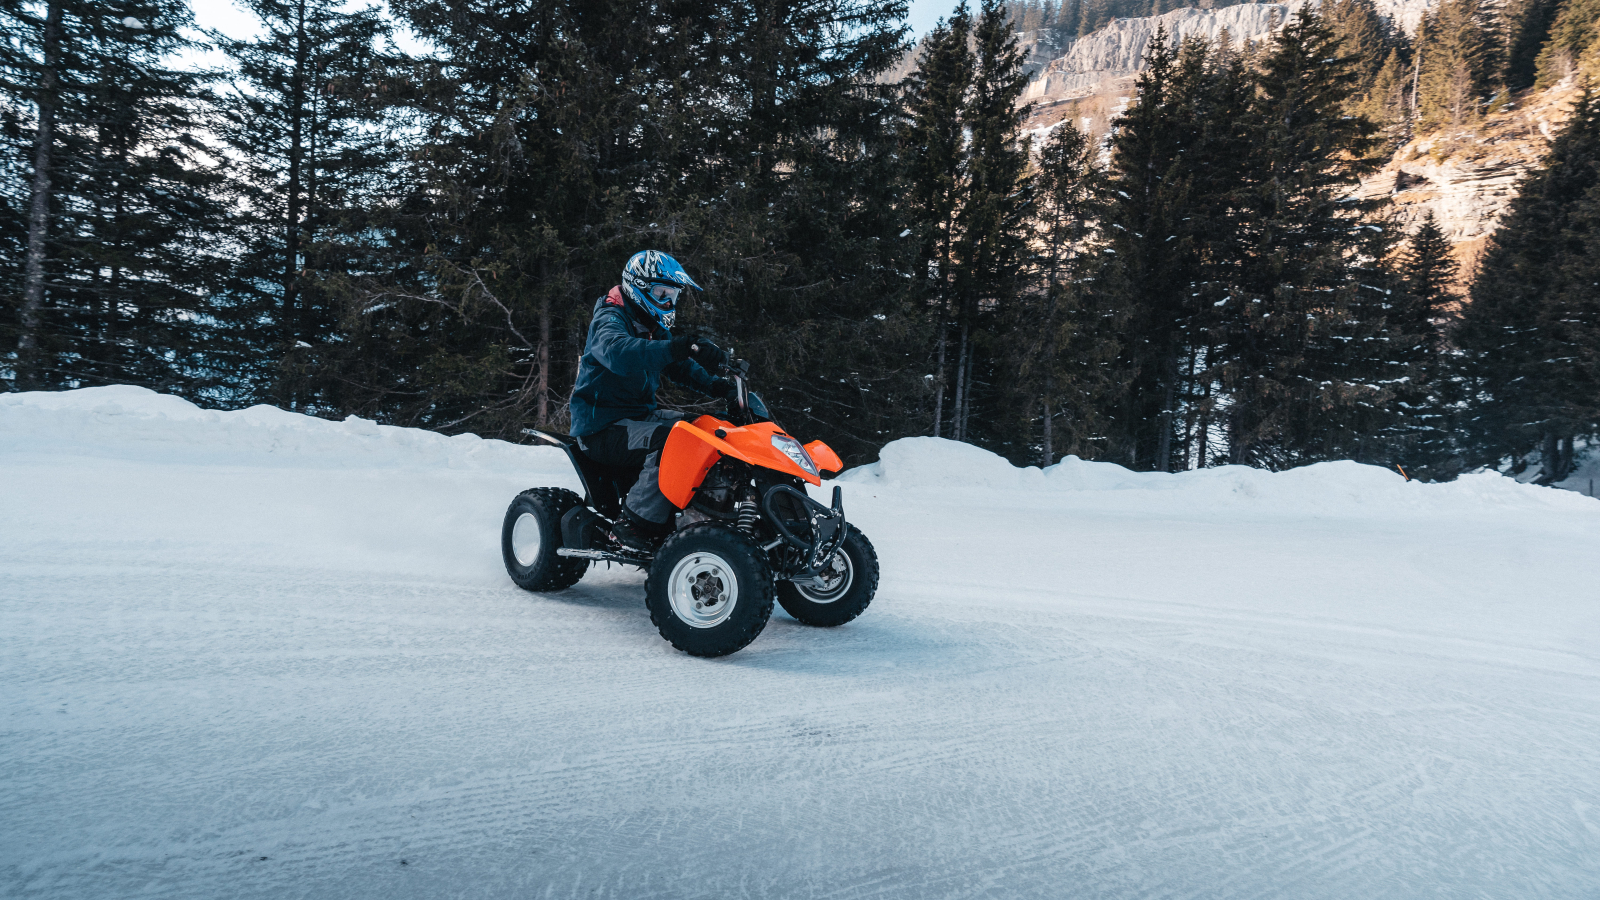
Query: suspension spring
{"type": "Point", "coordinates": [748, 517]}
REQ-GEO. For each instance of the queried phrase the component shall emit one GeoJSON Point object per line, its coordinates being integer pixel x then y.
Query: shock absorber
{"type": "Point", "coordinates": [746, 511]}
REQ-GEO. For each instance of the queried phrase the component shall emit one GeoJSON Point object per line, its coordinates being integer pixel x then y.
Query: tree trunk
{"type": "Point", "coordinates": [297, 102]}
{"type": "Point", "coordinates": [1203, 429]}
{"type": "Point", "coordinates": [1549, 459]}
{"type": "Point", "coordinates": [28, 376]}
{"type": "Point", "coordinates": [958, 420]}
{"type": "Point", "coordinates": [938, 378]}
{"type": "Point", "coordinates": [542, 382]}
{"type": "Point", "coordinates": [967, 385]}
{"type": "Point", "coordinates": [1164, 436]}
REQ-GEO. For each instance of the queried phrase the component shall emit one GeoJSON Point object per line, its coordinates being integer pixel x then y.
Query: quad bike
{"type": "Point", "coordinates": [746, 533]}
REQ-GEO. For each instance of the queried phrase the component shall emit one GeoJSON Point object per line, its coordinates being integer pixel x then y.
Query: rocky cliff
{"type": "Point", "coordinates": [1094, 62]}
{"type": "Point", "coordinates": [1468, 178]}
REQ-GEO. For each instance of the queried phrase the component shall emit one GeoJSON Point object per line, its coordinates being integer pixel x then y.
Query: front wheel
{"type": "Point", "coordinates": [709, 591]}
{"type": "Point", "coordinates": [841, 591]}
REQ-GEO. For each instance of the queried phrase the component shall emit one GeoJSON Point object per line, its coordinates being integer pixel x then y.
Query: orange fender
{"type": "Point", "coordinates": [824, 457]}
{"type": "Point", "coordinates": [691, 451]}
{"type": "Point", "coordinates": [686, 458]}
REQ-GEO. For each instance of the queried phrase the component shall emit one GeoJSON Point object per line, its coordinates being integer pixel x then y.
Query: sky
{"type": "Point", "coordinates": [925, 13]}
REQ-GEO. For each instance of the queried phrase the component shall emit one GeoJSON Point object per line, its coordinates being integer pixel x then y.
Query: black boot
{"type": "Point", "coordinates": [638, 534]}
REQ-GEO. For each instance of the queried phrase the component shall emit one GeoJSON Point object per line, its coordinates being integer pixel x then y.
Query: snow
{"type": "Point", "coordinates": [254, 654]}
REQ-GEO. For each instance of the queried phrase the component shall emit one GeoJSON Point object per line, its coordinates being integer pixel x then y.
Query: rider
{"type": "Point", "coordinates": [630, 347]}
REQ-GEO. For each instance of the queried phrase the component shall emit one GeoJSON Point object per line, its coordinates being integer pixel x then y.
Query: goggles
{"type": "Point", "coordinates": [665, 295]}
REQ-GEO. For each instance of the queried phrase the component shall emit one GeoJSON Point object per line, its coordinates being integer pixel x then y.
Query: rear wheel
{"type": "Point", "coordinates": [709, 591]}
{"type": "Point", "coordinates": [841, 591]}
{"type": "Point", "coordinates": [532, 534]}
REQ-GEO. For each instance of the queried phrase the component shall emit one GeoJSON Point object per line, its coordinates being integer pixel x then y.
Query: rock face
{"type": "Point", "coordinates": [1089, 64]}
{"type": "Point", "coordinates": [1468, 178]}
{"type": "Point", "coordinates": [1117, 50]}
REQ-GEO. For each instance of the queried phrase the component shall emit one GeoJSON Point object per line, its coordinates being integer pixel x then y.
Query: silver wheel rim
{"type": "Point", "coordinates": [703, 590]}
{"type": "Point", "coordinates": [832, 582]}
{"type": "Point", "coordinates": [526, 540]}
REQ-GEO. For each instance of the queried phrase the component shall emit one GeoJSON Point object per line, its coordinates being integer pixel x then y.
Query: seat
{"type": "Point", "coordinates": [603, 486]}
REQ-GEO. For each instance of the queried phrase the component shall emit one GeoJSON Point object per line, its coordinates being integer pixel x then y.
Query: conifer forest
{"type": "Point", "coordinates": [335, 225]}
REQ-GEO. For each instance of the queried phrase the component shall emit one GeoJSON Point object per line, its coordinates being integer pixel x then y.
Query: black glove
{"type": "Point", "coordinates": [680, 346]}
{"type": "Point", "coordinates": [710, 357]}
{"type": "Point", "coordinates": [723, 389]}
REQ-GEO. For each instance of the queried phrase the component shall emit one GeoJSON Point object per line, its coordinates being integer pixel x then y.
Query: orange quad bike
{"type": "Point", "coordinates": [746, 532]}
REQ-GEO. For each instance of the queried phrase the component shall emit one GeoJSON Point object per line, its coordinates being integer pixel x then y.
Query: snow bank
{"type": "Point", "coordinates": [133, 422]}
{"type": "Point", "coordinates": [126, 474]}
{"type": "Point", "coordinates": [935, 464]}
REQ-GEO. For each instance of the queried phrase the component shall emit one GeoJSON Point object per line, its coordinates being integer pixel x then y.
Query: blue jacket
{"type": "Point", "coordinates": [621, 368]}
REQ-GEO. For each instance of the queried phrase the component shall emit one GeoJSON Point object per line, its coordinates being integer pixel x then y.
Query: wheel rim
{"type": "Point", "coordinates": [832, 582]}
{"type": "Point", "coordinates": [526, 539]}
{"type": "Point", "coordinates": [703, 590]}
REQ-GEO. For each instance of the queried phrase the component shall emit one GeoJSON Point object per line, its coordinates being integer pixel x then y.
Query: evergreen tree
{"type": "Point", "coordinates": [1387, 101]}
{"type": "Point", "coordinates": [1363, 38]}
{"type": "Point", "coordinates": [1064, 349]}
{"type": "Point", "coordinates": [1299, 365]}
{"type": "Point", "coordinates": [991, 216]}
{"type": "Point", "coordinates": [1573, 46]}
{"type": "Point", "coordinates": [1530, 333]}
{"type": "Point", "coordinates": [1526, 28]}
{"type": "Point", "coordinates": [1430, 276]}
{"type": "Point", "coordinates": [1374, 49]}
{"type": "Point", "coordinates": [935, 150]}
{"type": "Point", "coordinates": [302, 121]}
{"type": "Point", "coordinates": [120, 196]}
{"type": "Point", "coordinates": [554, 141]}
{"type": "Point", "coordinates": [1180, 157]}
{"type": "Point", "coordinates": [1458, 64]}
{"type": "Point", "coordinates": [1424, 429]}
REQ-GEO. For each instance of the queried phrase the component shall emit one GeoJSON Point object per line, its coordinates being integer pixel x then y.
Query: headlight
{"type": "Point", "coordinates": [791, 448]}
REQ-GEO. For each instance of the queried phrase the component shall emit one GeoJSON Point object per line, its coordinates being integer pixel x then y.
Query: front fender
{"type": "Point", "coordinates": [686, 458]}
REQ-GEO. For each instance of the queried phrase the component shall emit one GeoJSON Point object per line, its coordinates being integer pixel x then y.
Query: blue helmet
{"type": "Point", "coordinates": [653, 281]}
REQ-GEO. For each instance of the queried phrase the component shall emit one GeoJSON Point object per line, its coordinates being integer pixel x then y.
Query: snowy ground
{"type": "Point", "coordinates": [254, 655]}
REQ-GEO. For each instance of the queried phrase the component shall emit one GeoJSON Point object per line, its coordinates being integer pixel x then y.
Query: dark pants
{"type": "Point", "coordinates": [636, 444]}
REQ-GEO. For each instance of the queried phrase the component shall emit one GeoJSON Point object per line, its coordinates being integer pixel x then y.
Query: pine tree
{"type": "Point", "coordinates": [310, 143]}
{"type": "Point", "coordinates": [1573, 46]}
{"type": "Point", "coordinates": [1148, 280]}
{"type": "Point", "coordinates": [554, 141]}
{"type": "Point", "coordinates": [1300, 374]}
{"type": "Point", "coordinates": [1063, 350]}
{"type": "Point", "coordinates": [935, 148]}
{"type": "Point", "coordinates": [1387, 101]}
{"type": "Point", "coordinates": [1526, 28]}
{"type": "Point", "coordinates": [991, 217]}
{"type": "Point", "coordinates": [121, 198]}
{"type": "Point", "coordinates": [1180, 157]}
{"type": "Point", "coordinates": [1364, 39]}
{"type": "Point", "coordinates": [1530, 334]}
{"type": "Point", "coordinates": [1430, 274]}
{"type": "Point", "coordinates": [1423, 428]}
{"type": "Point", "coordinates": [1458, 65]}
